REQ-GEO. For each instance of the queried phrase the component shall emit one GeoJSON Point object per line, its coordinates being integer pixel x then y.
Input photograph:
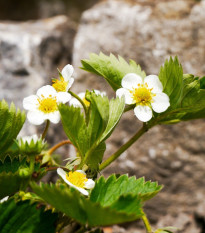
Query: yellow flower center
{"type": "Point", "coordinates": [77, 178]}
{"type": "Point", "coordinates": [142, 95]}
{"type": "Point", "coordinates": [47, 105]}
{"type": "Point", "coordinates": [60, 85]}
{"type": "Point", "coordinates": [87, 103]}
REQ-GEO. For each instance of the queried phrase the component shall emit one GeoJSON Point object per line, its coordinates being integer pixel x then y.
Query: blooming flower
{"type": "Point", "coordinates": [76, 103]}
{"type": "Point", "coordinates": [66, 79]}
{"type": "Point", "coordinates": [145, 93]}
{"type": "Point", "coordinates": [44, 105]}
{"type": "Point", "coordinates": [77, 180]}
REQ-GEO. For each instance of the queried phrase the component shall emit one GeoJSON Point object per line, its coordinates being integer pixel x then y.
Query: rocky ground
{"type": "Point", "coordinates": [148, 32]}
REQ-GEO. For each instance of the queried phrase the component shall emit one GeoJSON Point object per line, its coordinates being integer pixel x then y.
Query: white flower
{"type": "Point", "coordinates": [145, 93]}
{"type": "Point", "coordinates": [77, 180]}
{"type": "Point", "coordinates": [77, 104]}
{"type": "Point", "coordinates": [66, 80]}
{"type": "Point", "coordinates": [4, 199]}
{"type": "Point", "coordinates": [44, 105]}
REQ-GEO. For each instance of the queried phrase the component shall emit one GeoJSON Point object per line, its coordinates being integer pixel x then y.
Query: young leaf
{"type": "Point", "coordinates": [25, 217]}
{"type": "Point", "coordinates": [75, 127]}
{"type": "Point", "coordinates": [11, 122]}
{"type": "Point", "coordinates": [171, 77]}
{"type": "Point", "coordinates": [111, 68]}
{"type": "Point", "coordinates": [83, 210]}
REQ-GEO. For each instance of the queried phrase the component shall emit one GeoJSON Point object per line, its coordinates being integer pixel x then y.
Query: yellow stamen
{"type": "Point", "coordinates": [47, 105]}
{"type": "Point", "coordinates": [87, 103]}
{"type": "Point", "coordinates": [142, 95]}
{"type": "Point", "coordinates": [77, 178]}
{"type": "Point", "coordinates": [60, 85]}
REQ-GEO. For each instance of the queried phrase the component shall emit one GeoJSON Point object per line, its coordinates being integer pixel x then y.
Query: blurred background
{"type": "Point", "coordinates": [37, 36]}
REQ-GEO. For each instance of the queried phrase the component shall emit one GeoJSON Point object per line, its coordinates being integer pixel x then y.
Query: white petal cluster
{"type": "Point", "coordinates": [4, 199]}
{"type": "Point", "coordinates": [43, 105]}
{"type": "Point", "coordinates": [146, 93]}
{"type": "Point", "coordinates": [89, 184]}
{"type": "Point", "coordinates": [77, 104]}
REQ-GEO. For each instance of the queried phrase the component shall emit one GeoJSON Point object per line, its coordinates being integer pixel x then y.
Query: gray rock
{"type": "Point", "coordinates": [30, 52]}
{"type": "Point", "coordinates": [149, 32]}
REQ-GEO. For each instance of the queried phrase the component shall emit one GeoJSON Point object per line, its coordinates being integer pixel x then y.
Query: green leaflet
{"type": "Point", "coordinates": [106, 191]}
{"type": "Point", "coordinates": [25, 217]}
{"type": "Point", "coordinates": [111, 68]}
{"type": "Point", "coordinates": [73, 204]}
{"type": "Point", "coordinates": [171, 77]}
{"type": "Point", "coordinates": [14, 176]}
{"type": "Point", "coordinates": [11, 122]}
{"type": "Point", "coordinates": [75, 127]}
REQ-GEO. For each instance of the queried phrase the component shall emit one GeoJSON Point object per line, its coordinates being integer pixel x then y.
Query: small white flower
{"type": "Point", "coordinates": [44, 105]}
{"type": "Point", "coordinates": [77, 180]}
{"type": "Point", "coordinates": [66, 80]}
{"type": "Point", "coordinates": [145, 93]}
{"type": "Point", "coordinates": [4, 199]}
{"type": "Point", "coordinates": [77, 104]}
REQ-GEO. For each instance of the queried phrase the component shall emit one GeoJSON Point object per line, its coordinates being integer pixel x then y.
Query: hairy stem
{"type": "Point", "coordinates": [55, 168]}
{"type": "Point", "coordinates": [80, 100]}
{"type": "Point", "coordinates": [147, 224]}
{"type": "Point", "coordinates": [123, 148]}
{"type": "Point", "coordinates": [46, 129]}
{"type": "Point", "coordinates": [59, 145]}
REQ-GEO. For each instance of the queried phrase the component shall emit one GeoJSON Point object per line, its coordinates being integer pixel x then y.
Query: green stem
{"type": "Point", "coordinates": [46, 129]}
{"type": "Point", "coordinates": [123, 148]}
{"type": "Point", "coordinates": [32, 162]}
{"type": "Point", "coordinates": [147, 224]}
{"type": "Point", "coordinates": [80, 100]}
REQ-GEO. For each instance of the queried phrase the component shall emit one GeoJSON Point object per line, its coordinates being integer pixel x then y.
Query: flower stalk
{"type": "Point", "coordinates": [147, 224]}
{"type": "Point", "coordinates": [123, 148]}
{"type": "Point", "coordinates": [46, 129]}
{"type": "Point", "coordinates": [59, 145]}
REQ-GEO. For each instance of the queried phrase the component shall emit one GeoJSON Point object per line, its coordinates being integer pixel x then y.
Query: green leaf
{"type": "Point", "coordinates": [75, 127]}
{"type": "Point", "coordinates": [171, 77]}
{"type": "Point", "coordinates": [85, 211]}
{"type": "Point", "coordinates": [111, 68]}
{"type": "Point", "coordinates": [106, 191]}
{"type": "Point", "coordinates": [14, 176]}
{"type": "Point", "coordinates": [25, 217]}
{"type": "Point", "coordinates": [97, 156]}
{"type": "Point", "coordinates": [11, 122]}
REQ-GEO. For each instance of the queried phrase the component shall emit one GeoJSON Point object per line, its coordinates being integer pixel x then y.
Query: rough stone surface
{"type": "Point", "coordinates": [149, 32]}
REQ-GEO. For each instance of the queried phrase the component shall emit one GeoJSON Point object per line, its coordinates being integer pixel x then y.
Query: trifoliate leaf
{"type": "Point", "coordinates": [111, 68]}
{"type": "Point", "coordinates": [11, 122]}
{"type": "Point", "coordinates": [107, 191]}
{"type": "Point", "coordinates": [25, 217]}
{"type": "Point", "coordinates": [85, 211]}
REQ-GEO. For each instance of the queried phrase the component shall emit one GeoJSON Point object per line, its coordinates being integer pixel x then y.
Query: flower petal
{"type": "Point", "coordinates": [75, 103]}
{"type": "Point", "coordinates": [161, 102]}
{"type": "Point", "coordinates": [63, 97]}
{"type": "Point", "coordinates": [89, 184]}
{"type": "Point", "coordinates": [62, 174]}
{"type": "Point", "coordinates": [67, 71]}
{"type": "Point", "coordinates": [143, 113]}
{"type": "Point", "coordinates": [154, 83]}
{"type": "Point", "coordinates": [81, 171]}
{"type": "Point", "coordinates": [35, 117]}
{"type": "Point", "coordinates": [54, 117]}
{"type": "Point", "coordinates": [131, 81]}
{"type": "Point", "coordinates": [46, 91]}
{"type": "Point", "coordinates": [97, 92]}
{"type": "Point", "coordinates": [4, 199]}
{"type": "Point", "coordinates": [30, 102]}
{"type": "Point", "coordinates": [70, 83]}
{"type": "Point", "coordinates": [126, 93]}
